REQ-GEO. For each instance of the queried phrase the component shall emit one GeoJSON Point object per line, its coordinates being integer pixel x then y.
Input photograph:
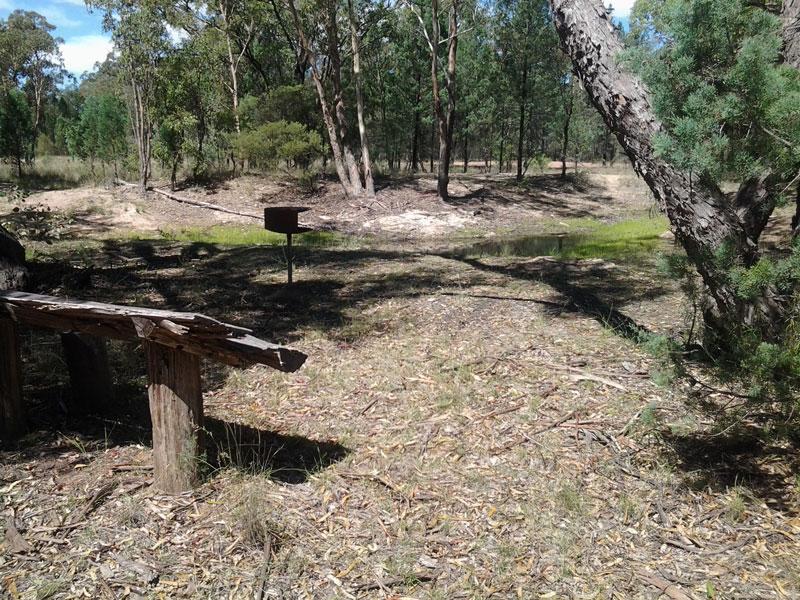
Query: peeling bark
{"type": "Point", "coordinates": [790, 17]}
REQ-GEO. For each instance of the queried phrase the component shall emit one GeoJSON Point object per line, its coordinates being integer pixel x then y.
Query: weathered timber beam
{"type": "Point", "coordinates": [234, 351]}
{"type": "Point", "coordinates": [78, 309]}
{"type": "Point", "coordinates": [190, 332]}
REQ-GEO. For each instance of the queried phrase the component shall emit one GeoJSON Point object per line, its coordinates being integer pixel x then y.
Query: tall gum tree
{"type": "Point", "coordinates": [334, 113]}
{"type": "Point", "coordinates": [705, 221]}
{"type": "Point", "coordinates": [445, 112]}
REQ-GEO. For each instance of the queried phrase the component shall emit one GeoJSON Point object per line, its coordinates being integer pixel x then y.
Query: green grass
{"type": "Point", "coordinates": [233, 235]}
{"type": "Point", "coordinates": [585, 238]}
{"type": "Point", "coordinates": [636, 237]}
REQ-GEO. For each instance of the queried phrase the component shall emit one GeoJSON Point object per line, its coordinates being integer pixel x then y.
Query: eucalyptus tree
{"type": "Point", "coordinates": [724, 104]}
{"type": "Point", "coordinates": [444, 109]}
{"type": "Point", "coordinates": [526, 43]}
{"type": "Point", "coordinates": [95, 134]}
{"type": "Point", "coordinates": [32, 59]}
{"type": "Point", "coordinates": [16, 128]}
{"type": "Point", "coordinates": [323, 54]}
{"type": "Point", "coordinates": [141, 41]}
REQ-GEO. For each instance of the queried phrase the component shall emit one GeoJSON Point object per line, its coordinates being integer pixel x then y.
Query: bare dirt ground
{"type": "Point", "coordinates": [466, 426]}
{"type": "Point", "coordinates": [405, 207]}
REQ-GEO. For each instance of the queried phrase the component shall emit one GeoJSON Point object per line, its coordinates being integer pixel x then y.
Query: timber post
{"type": "Point", "coordinates": [174, 343]}
{"type": "Point", "coordinates": [12, 411]}
{"type": "Point", "coordinates": [176, 410]}
{"type": "Point", "coordinates": [89, 373]}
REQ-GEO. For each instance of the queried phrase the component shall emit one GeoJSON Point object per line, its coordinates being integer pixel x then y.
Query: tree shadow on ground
{"type": "Point", "coordinates": [43, 182]}
{"type": "Point", "coordinates": [245, 286]}
{"type": "Point", "coordinates": [126, 421]}
{"type": "Point", "coordinates": [538, 192]}
{"type": "Point", "coordinates": [601, 288]}
{"type": "Point", "coordinates": [739, 458]}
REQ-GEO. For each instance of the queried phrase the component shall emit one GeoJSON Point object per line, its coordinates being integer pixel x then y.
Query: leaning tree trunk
{"type": "Point", "coordinates": [703, 219]}
{"type": "Point", "coordinates": [13, 273]}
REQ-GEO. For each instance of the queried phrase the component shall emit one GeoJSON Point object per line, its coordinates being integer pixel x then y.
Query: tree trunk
{"type": "Point", "coordinates": [433, 143]}
{"type": "Point", "coordinates": [417, 118]}
{"type": "Point", "coordinates": [465, 145]}
{"type": "Point", "coordinates": [568, 107]}
{"type": "Point", "coordinates": [369, 184]}
{"type": "Point", "coordinates": [502, 146]}
{"type": "Point", "coordinates": [523, 101]}
{"type": "Point", "coordinates": [703, 219]}
{"type": "Point", "coordinates": [790, 16]}
{"type": "Point", "coordinates": [142, 130]}
{"type": "Point", "coordinates": [327, 114]}
{"type": "Point", "coordinates": [444, 118]}
{"type": "Point", "coordinates": [340, 112]}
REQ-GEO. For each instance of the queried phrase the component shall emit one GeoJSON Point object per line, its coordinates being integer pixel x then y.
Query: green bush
{"type": "Point", "coordinates": [280, 141]}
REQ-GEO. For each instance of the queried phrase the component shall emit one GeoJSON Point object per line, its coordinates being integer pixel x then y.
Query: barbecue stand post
{"type": "Point", "coordinates": [289, 258]}
{"type": "Point", "coordinates": [283, 219]}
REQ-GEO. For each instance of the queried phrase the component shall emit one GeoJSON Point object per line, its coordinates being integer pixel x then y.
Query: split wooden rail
{"type": "Point", "coordinates": [174, 343]}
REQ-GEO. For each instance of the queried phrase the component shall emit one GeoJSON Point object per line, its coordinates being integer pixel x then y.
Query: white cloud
{"type": "Point", "coordinates": [80, 53]}
{"type": "Point", "coordinates": [58, 17]}
{"type": "Point", "coordinates": [6, 5]}
{"type": "Point", "coordinates": [622, 8]}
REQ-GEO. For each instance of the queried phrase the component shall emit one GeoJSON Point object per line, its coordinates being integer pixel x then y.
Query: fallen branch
{"type": "Point", "coordinates": [667, 588]}
{"type": "Point", "coordinates": [387, 583]}
{"type": "Point", "coordinates": [261, 588]}
{"type": "Point", "coordinates": [198, 203]}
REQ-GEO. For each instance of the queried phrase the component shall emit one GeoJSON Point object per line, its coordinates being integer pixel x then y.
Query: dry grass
{"type": "Point", "coordinates": [493, 437]}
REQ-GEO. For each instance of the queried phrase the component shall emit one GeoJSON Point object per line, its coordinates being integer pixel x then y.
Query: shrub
{"type": "Point", "coordinates": [272, 143]}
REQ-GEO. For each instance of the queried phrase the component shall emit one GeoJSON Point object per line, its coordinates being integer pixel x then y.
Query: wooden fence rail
{"type": "Point", "coordinates": [174, 343]}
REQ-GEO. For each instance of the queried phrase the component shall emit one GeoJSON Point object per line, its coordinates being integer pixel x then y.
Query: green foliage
{"type": "Point", "coordinates": [95, 134]}
{"type": "Point", "coordinates": [271, 143]}
{"type": "Point", "coordinates": [16, 128]}
{"type": "Point", "coordinates": [714, 69]}
{"type": "Point", "coordinates": [291, 103]}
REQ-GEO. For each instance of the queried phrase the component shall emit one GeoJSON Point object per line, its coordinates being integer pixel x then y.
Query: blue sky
{"type": "Point", "coordinates": [85, 42]}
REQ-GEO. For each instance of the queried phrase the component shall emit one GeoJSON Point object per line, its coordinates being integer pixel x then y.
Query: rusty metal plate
{"type": "Point", "coordinates": [283, 219]}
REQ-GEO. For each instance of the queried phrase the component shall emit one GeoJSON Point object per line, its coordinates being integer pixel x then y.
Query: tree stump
{"type": "Point", "coordinates": [176, 408]}
{"type": "Point", "coordinates": [89, 373]}
{"type": "Point", "coordinates": [12, 411]}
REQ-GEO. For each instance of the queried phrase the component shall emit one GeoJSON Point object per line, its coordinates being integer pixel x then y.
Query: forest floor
{"type": "Point", "coordinates": [477, 417]}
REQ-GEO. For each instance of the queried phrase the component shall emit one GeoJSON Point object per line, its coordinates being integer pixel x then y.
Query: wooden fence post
{"type": "Point", "coordinates": [176, 409]}
{"type": "Point", "coordinates": [89, 373]}
{"type": "Point", "coordinates": [12, 411]}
